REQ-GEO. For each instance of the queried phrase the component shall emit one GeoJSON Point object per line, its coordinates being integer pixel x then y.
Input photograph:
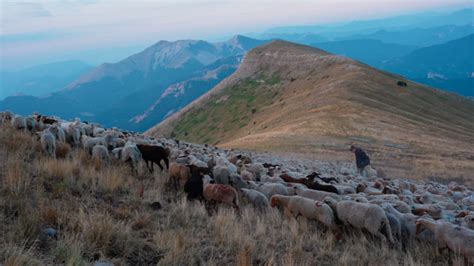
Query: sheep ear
{"type": "Point", "coordinates": [319, 204]}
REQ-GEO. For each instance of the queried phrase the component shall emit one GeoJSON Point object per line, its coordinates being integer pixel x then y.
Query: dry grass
{"type": "Point", "coordinates": [98, 215]}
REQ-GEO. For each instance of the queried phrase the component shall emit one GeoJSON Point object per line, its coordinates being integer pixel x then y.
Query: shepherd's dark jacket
{"type": "Point", "coordinates": [362, 160]}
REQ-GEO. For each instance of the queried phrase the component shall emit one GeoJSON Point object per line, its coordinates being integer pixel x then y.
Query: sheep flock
{"type": "Point", "coordinates": [333, 198]}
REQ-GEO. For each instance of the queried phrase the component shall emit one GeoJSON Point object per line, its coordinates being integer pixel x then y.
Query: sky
{"type": "Point", "coordinates": [96, 31]}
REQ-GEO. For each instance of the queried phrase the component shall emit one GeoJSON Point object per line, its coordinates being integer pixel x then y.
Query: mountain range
{"type": "Point", "coordinates": [145, 88]}
{"type": "Point", "coordinates": [287, 97]}
{"type": "Point", "coordinates": [427, 22]}
{"type": "Point", "coordinates": [449, 66]}
{"type": "Point", "coordinates": [142, 89]}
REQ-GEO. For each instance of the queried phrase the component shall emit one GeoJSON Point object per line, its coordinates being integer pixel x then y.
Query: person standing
{"type": "Point", "coordinates": [362, 160]}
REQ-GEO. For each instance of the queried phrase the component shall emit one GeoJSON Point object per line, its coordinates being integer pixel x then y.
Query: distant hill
{"type": "Point", "coordinates": [396, 23]}
{"type": "Point", "coordinates": [42, 79]}
{"type": "Point", "coordinates": [372, 52]}
{"type": "Point", "coordinates": [125, 94]}
{"type": "Point", "coordinates": [292, 98]}
{"type": "Point", "coordinates": [449, 66]}
{"type": "Point", "coordinates": [419, 36]}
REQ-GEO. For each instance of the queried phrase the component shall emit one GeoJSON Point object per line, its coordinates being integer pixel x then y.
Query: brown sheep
{"type": "Point", "coordinates": [289, 179]}
{"type": "Point", "coordinates": [219, 193]}
{"type": "Point", "coordinates": [179, 175]}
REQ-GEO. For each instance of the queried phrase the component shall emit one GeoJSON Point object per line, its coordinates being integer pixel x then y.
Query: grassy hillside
{"type": "Point", "coordinates": [293, 98]}
{"type": "Point", "coordinates": [231, 111]}
{"type": "Point", "coordinates": [99, 217]}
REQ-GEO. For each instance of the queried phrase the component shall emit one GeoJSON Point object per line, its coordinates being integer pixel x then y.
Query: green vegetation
{"type": "Point", "coordinates": [228, 111]}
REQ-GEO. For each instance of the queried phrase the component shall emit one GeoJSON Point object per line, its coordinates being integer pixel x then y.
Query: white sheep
{"type": "Point", "coordinates": [468, 221]}
{"type": "Point", "coordinates": [196, 162]}
{"type": "Point", "coordinates": [39, 126]}
{"type": "Point", "coordinates": [256, 169]}
{"type": "Point", "coordinates": [344, 189]}
{"type": "Point", "coordinates": [101, 153]}
{"type": "Point", "coordinates": [131, 154]}
{"type": "Point", "coordinates": [271, 179]}
{"type": "Point", "coordinates": [5, 116]}
{"type": "Point", "coordinates": [90, 142]}
{"type": "Point", "coordinates": [368, 190]}
{"type": "Point", "coordinates": [48, 142]}
{"type": "Point", "coordinates": [237, 182]}
{"type": "Point", "coordinates": [247, 175]}
{"type": "Point", "coordinates": [58, 132]}
{"type": "Point", "coordinates": [223, 162]}
{"type": "Point", "coordinates": [256, 198]}
{"type": "Point", "coordinates": [308, 208]}
{"type": "Point", "coordinates": [30, 123]}
{"type": "Point", "coordinates": [19, 122]}
{"type": "Point", "coordinates": [97, 131]}
{"type": "Point", "coordinates": [86, 129]}
{"type": "Point", "coordinates": [401, 206]}
{"type": "Point", "coordinates": [117, 153]}
{"type": "Point", "coordinates": [73, 134]}
{"type": "Point", "coordinates": [269, 189]}
{"type": "Point", "coordinates": [396, 228]}
{"type": "Point", "coordinates": [408, 220]}
{"type": "Point", "coordinates": [364, 216]}
{"type": "Point", "coordinates": [314, 194]}
{"type": "Point", "coordinates": [221, 174]}
{"type": "Point", "coordinates": [459, 239]}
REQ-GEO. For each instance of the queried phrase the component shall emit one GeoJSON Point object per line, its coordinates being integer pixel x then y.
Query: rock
{"type": "Point", "coordinates": [402, 83]}
{"type": "Point", "coordinates": [50, 232]}
{"type": "Point", "coordinates": [155, 205]}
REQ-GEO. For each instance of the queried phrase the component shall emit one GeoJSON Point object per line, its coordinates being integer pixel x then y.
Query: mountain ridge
{"type": "Point", "coordinates": [292, 98]}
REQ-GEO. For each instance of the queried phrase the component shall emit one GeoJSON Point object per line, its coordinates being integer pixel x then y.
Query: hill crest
{"type": "Point", "coordinates": [293, 98]}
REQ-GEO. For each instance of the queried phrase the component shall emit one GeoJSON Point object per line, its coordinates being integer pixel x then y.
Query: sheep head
{"type": "Point", "coordinates": [206, 179]}
{"type": "Point", "coordinates": [462, 214]}
{"type": "Point", "coordinates": [361, 188]}
{"type": "Point", "coordinates": [424, 223]}
{"type": "Point", "coordinates": [274, 201]}
{"type": "Point", "coordinates": [419, 227]}
{"type": "Point", "coordinates": [330, 201]}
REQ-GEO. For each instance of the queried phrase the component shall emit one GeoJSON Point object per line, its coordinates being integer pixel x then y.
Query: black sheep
{"type": "Point", "coordinates": [318, 186]}
{"type": "Point", "coordinates": [194, 186]}
{"type": "Point", "coordinates": [313, 175]}
{"type": "Point", "coordinates": [154, 154]}
{"type": "Point", "coordinates": [268, 165]}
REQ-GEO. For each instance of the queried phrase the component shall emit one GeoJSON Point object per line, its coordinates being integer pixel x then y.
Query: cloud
{"type": "Point", "coordinates": [69, 26]}
{"type": "Point", "coordinates": [15, 11]}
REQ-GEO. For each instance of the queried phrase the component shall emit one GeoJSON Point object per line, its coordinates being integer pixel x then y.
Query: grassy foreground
{"type": "Point", "coordinates": [99, 216]}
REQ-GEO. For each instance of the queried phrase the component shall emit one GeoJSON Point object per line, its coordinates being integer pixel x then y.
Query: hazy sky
{"type": "Point", "coordinates": [104, 30]}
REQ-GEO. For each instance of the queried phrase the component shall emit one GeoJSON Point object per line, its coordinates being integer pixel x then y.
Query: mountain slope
{"type": "Point", "coordinates": [449, 65]}
{"type": "Point", "coordinates": [292, 98]}
{"type": "Point", "coordinates": [123, 93]}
